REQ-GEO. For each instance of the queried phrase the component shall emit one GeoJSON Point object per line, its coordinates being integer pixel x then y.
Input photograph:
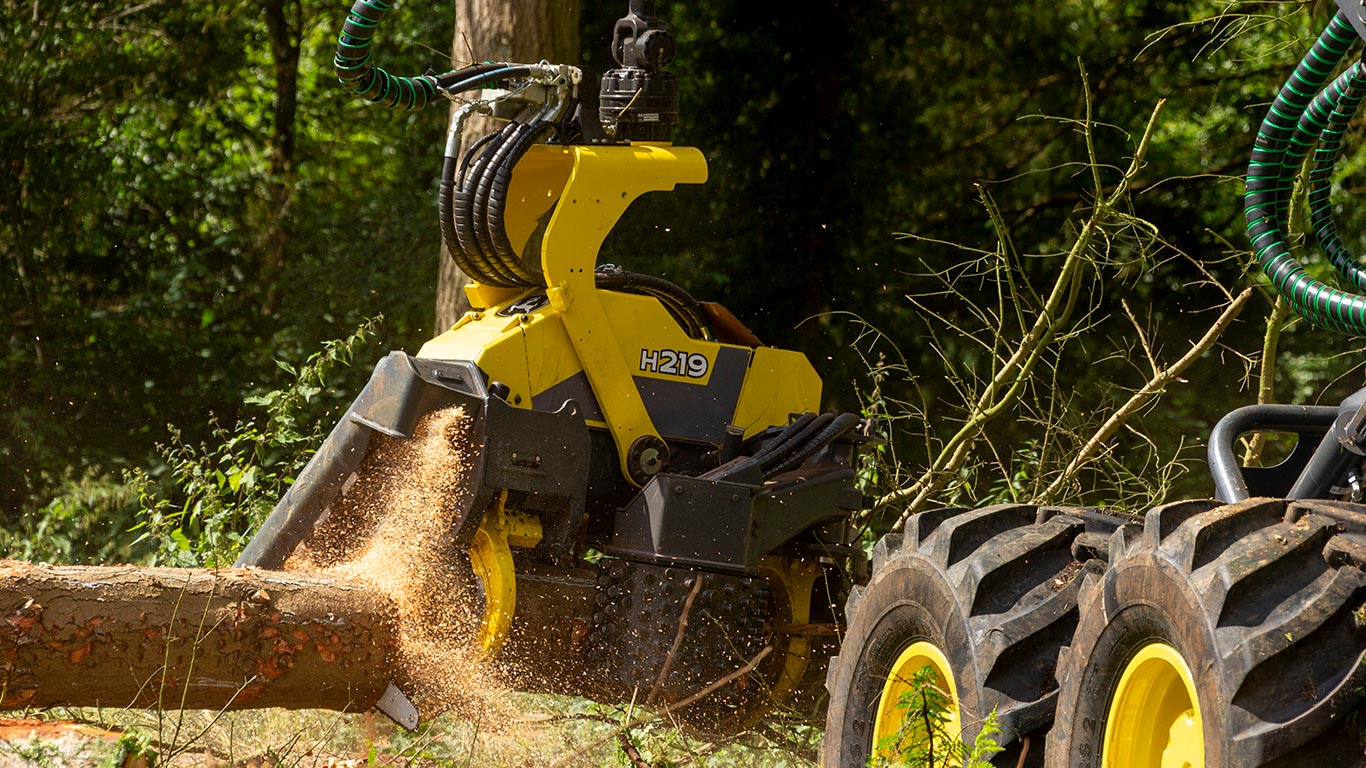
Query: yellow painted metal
{"type": "Point", "coordinates": [641, 323]}
{"type": "Point", "coordinates": [1154, 719]}
{"type": "Point", "coordinates": [491, 560]}
{"type": "Point", "coordinates": [778, 383]}
{"type": "Point", "coordinates": [576, 195]}
{"type": "Point", "coordinates": [483, 296]}
{"type": "Point", "coordinates": [532, 353]}
{"type": "Point", "coordinates": [603, 183]}
{"type": "Point", "coordinates": [537, 184]}
{"type": "Point", "coordinates": [917, 656]}
{"type": "Point", "coordinates": [793, 579]}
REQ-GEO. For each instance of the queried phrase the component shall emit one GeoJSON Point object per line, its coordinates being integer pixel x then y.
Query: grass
{"type": "Point", "coordinates": [549, 729]}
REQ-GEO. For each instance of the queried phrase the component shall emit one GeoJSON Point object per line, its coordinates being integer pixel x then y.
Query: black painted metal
{"type": "Point", "coordinates": [400, 390]}
{"type": "Point", "coordinates": [724, 525]}
{"type": "Point", "coordinates": [541, 456]}
{"type": "Point", "coordinates": [1234, 482]}
{"type": "Point", "coordinates": [1337, 453]}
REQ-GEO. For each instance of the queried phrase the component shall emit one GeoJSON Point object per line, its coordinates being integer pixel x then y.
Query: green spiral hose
{"type": "Point", "coordinates": [1347, 93]}
{"type": "Point", "coordinates": [358, 72]}
{"type": "Point", "coordinates": [1303, 114]}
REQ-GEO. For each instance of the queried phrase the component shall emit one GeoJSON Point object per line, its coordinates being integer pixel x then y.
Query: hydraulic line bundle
{"type": "Point", "coordinates": [1310, 114]}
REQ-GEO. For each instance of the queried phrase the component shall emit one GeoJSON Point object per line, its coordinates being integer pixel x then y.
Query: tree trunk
{"type": "Point", "coordinates": [190, 639]}
{"type": "Point", "coordinates": [502, 30]}
{"type": "Point", "coordinates": [284, 54]}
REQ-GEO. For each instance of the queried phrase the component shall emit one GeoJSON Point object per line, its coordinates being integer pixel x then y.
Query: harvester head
{"type": "Point", "coordinates": [653, 504]}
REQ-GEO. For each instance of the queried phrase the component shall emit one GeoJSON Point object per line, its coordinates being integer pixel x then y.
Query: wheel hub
{"type": "Point", "coordinates": [1154, 719]}
{"type": "Point", "coordinates": [890, 715]}
{"type": "Point", "coordinates": [495, 574]}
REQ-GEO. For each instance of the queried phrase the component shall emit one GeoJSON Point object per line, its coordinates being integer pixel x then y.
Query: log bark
{"type": "Point", "coordinates": [170, 638]}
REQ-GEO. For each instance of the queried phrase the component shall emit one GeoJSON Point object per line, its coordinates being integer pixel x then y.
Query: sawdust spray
{"type": "Point", "coordinates": [391, 530]}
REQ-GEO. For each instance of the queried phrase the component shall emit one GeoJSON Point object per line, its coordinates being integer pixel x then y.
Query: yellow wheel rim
{"type": "Point", "coordinates": [793, 581]}
{"type": "Point", "coordinates": [1154, 719]}
{"type": "Point", "coordinates": [918, 656]}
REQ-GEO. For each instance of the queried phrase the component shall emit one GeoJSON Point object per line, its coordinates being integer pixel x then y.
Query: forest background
{"type": "Point", "coordinates": [190, 207]}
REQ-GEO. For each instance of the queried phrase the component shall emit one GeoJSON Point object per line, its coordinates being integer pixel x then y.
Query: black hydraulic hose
{"type": "Point", "coordinates": [481, 186]}
{"type": "Point", "coordinates": [784, 436]}
{"type": "Point", "coordinates": [450, 178]}
{"type": "Point", "coordinates": [837, 427]}
{"type": "Point", "coordinates": [1270, 180]}
{"type": "Point", "coordinates": [466, 221]}
{"type": "Point", "coordinates": [692, 325]}
{"type": "Point", "coordinates": [685, 309]}
{"type": "Point", "coordinates": [357, 71]}
{"type": "Point", "coordinates": [472, 195]}
{"type": "Point", "coordinates": [790, 447]}
{"type": "Point", "coordinates": [493, 213]}
{"type": "Point", "coordinates": [482, 142]}
{"type": "Point", "coordinates": [453, 81]}
{"type": "Point", "coordinates": [497, 73]}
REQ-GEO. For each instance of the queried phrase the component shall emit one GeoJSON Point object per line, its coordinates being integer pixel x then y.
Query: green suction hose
{"type": "Point", "coordinates": [1305, 113]}
{"type": "Point", "coordinates": [1347, 93]}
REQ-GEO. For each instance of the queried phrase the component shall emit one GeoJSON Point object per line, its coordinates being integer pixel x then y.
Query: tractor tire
{"type": "Point", "coordinates": [1223, 636]}
{"type": "Point", "coordinates": [989, 595]}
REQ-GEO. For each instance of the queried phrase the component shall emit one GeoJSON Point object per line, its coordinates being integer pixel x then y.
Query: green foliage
{"type": "Point", "coordinates": [923, 740]}
{"type": "Point", "coordinates": [144, 196]}
{"type": "Point", "coordinates": [216, 494]}
{"type": "Point", "coordinates": [86, 522]}
{"type": "Point", "coordinates": [141, 205]}
{"type": "Point", "coordinates": [132, 746]}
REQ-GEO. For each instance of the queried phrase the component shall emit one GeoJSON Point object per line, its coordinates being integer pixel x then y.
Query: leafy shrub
{"type": "Point", "coordinates": [216, 494]}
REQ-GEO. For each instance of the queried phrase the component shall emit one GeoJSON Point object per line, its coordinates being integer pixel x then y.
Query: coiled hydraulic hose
{"type": "Point", "coordinates": [358, 73]}
{"type": "Point", "coordinates": [1305, 112]}
{"type": "Point", "coordinates": [1347, 93]}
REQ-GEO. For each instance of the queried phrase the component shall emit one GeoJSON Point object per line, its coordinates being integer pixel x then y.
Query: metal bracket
{"type": "Point", "coordinates": [1355, 11]}
{"type": "Point", "coordinates": [398, 707]}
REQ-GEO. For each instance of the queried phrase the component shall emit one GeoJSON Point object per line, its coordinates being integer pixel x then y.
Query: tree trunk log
{"type": "Point", "coordinates": [126, 636]}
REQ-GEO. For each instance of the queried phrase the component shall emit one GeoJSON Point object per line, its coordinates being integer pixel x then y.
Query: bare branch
{"type": "Point", "coordinates": [1143, 396]}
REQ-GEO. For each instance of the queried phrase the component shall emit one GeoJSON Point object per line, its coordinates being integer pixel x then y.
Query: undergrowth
{"type": "Point", "coordinates": [215, 494]}
{"type": "Point", "coordinates": [927, 737]}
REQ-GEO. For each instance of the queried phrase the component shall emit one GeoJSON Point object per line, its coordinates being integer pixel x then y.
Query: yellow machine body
{"type": "Point", "coordinates": [621, 356]}
{"type": "Point", "coordinates": [691, 452]}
